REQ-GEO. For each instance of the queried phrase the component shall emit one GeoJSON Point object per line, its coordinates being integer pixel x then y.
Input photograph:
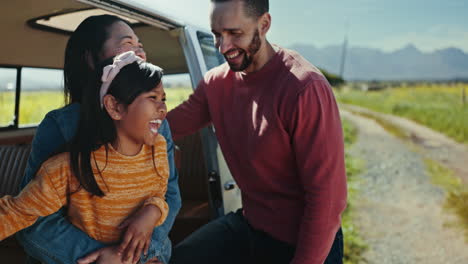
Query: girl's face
{"type": "Point", "coordinates": [141, 120]}
{"type": "Point", "coordinates": [121, 39]}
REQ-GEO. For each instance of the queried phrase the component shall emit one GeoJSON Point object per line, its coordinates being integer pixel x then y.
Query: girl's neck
{"type": "Point", "coordinates": [126, 149]}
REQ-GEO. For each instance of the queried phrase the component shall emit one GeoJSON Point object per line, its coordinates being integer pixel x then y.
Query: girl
{"type": "Point", "coordinates": [116, 165]}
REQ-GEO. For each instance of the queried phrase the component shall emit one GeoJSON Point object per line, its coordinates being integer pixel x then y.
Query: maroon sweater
{"type": "Point", "coordinates": [280, 132]}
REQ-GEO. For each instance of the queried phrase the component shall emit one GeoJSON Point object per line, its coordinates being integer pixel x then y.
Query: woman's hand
{"type": "Point", "coordinates": [137, 238]}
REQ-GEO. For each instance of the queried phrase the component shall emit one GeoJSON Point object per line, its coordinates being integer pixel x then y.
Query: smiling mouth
{"type": "Point", "coordinates": [232, 55]}
{"type": "Point", "coordinates": [155, 125]}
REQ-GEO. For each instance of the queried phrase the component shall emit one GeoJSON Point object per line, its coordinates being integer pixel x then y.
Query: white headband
{"type": "Point", "coordinates": [110, 71]}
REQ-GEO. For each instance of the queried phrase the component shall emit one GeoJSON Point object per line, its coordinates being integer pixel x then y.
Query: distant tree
{"type": "Point", "coordinates": [333, 79]}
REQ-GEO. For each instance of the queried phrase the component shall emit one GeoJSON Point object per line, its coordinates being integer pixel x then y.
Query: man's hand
{"type": "Point", "coordinates": [107, 255]}
{"type": "Point", "coordinates": [137, 238]}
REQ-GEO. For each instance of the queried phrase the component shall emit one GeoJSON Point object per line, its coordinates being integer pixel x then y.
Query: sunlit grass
{"type": "Point", "coordinates": [176, 95]}
{"type": "Point", "coordinates": [457, 193]}
{"type": "Point", "coordinates": [354, 245]}
{"type": "Point", "coordinates": [436, 106]}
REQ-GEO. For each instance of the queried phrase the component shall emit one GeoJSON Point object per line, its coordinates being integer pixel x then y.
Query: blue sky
{"type": "Point", "coordinates": [383, 24]}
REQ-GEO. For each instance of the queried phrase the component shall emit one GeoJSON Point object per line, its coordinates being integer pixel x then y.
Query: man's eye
{"type": "Point", "coordinates": [164, 99]}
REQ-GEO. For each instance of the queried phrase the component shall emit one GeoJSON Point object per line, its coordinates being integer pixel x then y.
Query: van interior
{"type": "Point", "coordinates": [34, 35]}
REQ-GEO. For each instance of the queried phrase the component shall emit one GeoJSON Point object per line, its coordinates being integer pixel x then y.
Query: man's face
{"type": "Point", "coordinates": [236, 34]}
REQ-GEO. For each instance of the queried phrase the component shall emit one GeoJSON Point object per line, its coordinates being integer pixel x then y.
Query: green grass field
{"type": "Point", "coordinates": [436, 106]}
{"type": "Point", "coordinates": [35, 105]}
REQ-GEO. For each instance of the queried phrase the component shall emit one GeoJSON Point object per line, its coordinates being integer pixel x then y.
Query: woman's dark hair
{"type": "Point", "coordinates": [82, 54]}
{"type": "Point", "coordinates": [96, 127]}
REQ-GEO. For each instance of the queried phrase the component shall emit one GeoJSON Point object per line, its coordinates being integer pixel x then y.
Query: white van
{"type": "Point", "coordinates": [34, 35]}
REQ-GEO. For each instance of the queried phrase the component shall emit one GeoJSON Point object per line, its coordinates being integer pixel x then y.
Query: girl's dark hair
{"type": "Point", "coordinates": [82, 54]}
{"type": "Point", "coordinates": [96, 127]}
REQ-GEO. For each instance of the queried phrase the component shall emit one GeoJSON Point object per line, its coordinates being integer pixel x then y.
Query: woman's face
{"type": "Point", "coordinates": [121, 39]}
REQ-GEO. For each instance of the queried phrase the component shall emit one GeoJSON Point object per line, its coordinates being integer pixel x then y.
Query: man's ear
{"type": "Point", "coordinates": [113, 108]}
{"type": "Point", "coordinates": [264, 23]}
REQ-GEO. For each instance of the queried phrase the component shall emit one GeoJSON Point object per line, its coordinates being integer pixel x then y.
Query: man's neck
{"type": "Point", "coordinates": [263, 56]}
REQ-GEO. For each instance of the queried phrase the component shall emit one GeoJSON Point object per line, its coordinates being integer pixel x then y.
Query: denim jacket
{"type": "Point", "coordinates": [53, 239]}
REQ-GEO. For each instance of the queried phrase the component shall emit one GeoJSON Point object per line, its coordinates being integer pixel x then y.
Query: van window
{"type": "Point", "coordinates": [178, 88]}
{"type": "Point", "coordinates": [41, 92]}
{"type": "Point", "coordinates": [7, 96]}
{"type": "Point", "coordinates": [211, 55]}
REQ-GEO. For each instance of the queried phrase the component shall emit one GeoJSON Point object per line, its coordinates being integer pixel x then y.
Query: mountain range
{"type": "Point", "coordinates": [407, 63]}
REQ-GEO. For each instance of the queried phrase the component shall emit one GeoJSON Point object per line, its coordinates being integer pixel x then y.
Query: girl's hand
{"type": "Point", "coordinates": [137, 238]}
{"type": "Point", "coordinates": [107, 255]}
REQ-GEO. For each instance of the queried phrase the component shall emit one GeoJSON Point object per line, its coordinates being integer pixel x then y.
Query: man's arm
{"type": "Point", "coordinates": [318, 143]}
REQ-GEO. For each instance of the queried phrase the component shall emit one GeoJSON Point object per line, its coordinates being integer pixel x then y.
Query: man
{"type": "Point", "coordinates": [279, 128]}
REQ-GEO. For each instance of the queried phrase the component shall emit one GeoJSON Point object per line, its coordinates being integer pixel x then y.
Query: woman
{"type": "Point", "coordinates": [96, 38]}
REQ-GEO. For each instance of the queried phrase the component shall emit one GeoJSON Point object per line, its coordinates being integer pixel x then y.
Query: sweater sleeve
{"type": "Point", "coordinates": [44, 195]}
{"type": "Point", "coordinates": [162, 166]}
{"type": "Point", "coordinates": [162, 205]}
{"type": "Point", "coordinates": [191, 115]}
{"type": "Point", "coordinates": [318, 144]}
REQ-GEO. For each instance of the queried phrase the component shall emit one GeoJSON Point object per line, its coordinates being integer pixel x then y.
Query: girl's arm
{"type": "Point", "coordinates": [153, 212]}
{"type": "Point", "coordinates": [44, 195]}
{"type": "Point", "coordinates": [53, 239]}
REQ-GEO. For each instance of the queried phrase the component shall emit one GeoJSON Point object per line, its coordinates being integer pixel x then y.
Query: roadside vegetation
{"type": "Point", "coordinates": [438, 106]}
{"type": "Point", "coordinates": [457, 194]}
{"type": "Point", "coordinates": [354, 245]}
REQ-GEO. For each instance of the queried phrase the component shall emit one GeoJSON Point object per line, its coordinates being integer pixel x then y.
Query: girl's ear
{"type": "Point", "coordinates": [112, 107]}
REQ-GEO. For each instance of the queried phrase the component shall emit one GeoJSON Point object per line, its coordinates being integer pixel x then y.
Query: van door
{"type": "Point", "coordinates": [201, 56]}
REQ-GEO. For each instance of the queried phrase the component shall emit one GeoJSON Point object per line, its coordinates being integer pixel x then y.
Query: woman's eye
{"type": "Point", "coordinates": [164, 99]}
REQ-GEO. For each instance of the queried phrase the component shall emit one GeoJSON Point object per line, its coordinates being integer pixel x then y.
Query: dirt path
{"type": "Point", "coordinates": [432, 144]}
{"type": "Point", "coordinates": [399, 212]}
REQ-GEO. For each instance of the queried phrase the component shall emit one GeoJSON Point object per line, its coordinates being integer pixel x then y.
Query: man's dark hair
{"type": "Point", "coordinates": [253, 8]}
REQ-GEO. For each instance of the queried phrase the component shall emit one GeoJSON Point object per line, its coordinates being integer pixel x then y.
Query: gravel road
{"type": "Point", "coordinates": [399, 212]}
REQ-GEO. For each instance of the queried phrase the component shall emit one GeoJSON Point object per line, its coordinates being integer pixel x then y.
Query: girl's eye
{"type": "Point", "coordinates": [156, 98]}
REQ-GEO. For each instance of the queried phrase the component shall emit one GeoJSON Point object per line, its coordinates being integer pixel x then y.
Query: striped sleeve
{"type": "Point", "coordinates": [43, 196]}
{"type": "Point", "coordinates": [163, 207]}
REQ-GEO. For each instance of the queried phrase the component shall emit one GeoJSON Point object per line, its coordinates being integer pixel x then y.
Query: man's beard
{"type": "Point", "coordinates": [252, 49]}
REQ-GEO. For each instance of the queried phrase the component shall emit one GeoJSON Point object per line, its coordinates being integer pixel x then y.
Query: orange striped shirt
{"type": "Point", "coordinates": [128, 183]}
